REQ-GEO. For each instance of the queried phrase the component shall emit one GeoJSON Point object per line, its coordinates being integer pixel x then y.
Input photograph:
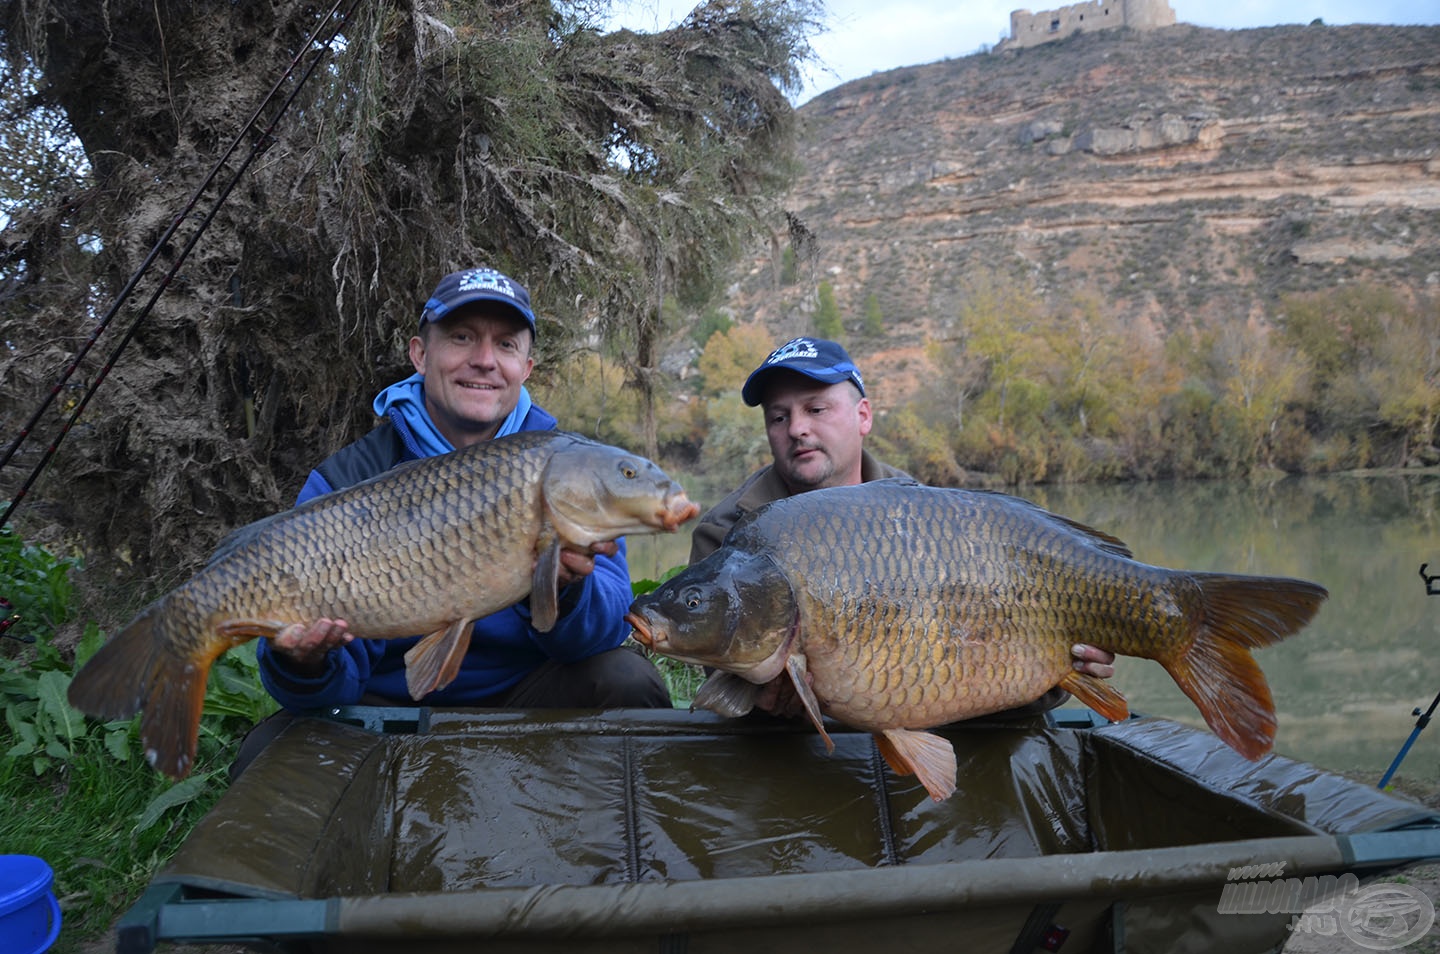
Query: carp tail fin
{"type": "Point", "coordinates": [1218, 672]}
{"type": "Point", "coordinates": [140, 669]}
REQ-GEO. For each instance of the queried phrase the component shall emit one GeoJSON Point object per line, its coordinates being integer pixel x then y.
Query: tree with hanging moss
{"type": "Point", "coordinates": [608, 171]}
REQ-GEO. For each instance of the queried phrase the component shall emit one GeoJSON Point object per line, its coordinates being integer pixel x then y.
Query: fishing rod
{"type": "Point", "coordinates": [258, 146]}
{"type": "Point", "coordinates": [1432, 588]}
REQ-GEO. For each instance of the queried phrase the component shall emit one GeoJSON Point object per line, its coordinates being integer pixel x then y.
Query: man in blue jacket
{"type": "Point", "coordinates": [472, 355]}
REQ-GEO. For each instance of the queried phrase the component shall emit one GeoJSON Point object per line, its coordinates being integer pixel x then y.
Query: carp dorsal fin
{"type": "Point", "coordinates": [434, 661]}
{"type": "Point", "coordinates": [795, 666]}
{"type": "Point", "coordinates": [1097, 694]}
{"type": "Point", "coordinates": [1097, 538]}
{"type": "Point", "coordinates": [927, 755]}
{"type": "Point", "coordinates": [726, 694]}
{"type": "Point", "coordinates": [545, 589]}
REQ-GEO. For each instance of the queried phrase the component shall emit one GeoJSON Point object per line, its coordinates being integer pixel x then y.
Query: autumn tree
{"type": "Point", "coordinates": [1262, 376]}
{"type": "Point", "coordinates": [607, 171]}
{"type": "Point", "coordinates": [734, 441]}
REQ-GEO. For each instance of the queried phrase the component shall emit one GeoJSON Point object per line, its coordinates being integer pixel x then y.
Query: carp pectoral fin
{"type": "Point", "coordinates": [545, 589]}
{"type": "Point", "coordinates": [434, 661]}
{"type": "Point", "coordinates": [237, 631]}
{"type": "Point", "coordinates": [1097, 694]}
{"type": "Point", "coordinates": [795, 666]}
{"type": "Point", "coordinates": [927, 755]}
{"type": "Point", "coordinates": [726, 694]}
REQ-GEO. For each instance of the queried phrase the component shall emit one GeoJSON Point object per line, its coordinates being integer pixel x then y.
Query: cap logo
{"type": "Point", "coordinates": [485, 279]}
{"type": "Point", "coordinates": [796, 348]}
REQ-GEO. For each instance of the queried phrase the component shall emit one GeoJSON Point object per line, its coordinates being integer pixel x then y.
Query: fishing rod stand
{"type": "Point", "coordinates": [1432, 588]}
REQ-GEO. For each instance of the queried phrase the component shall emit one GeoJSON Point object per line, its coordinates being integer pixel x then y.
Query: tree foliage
{"type": "Point", "coordinates": [607, 171]}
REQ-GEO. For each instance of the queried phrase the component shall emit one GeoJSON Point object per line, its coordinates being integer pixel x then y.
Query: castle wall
{"type": "Point", "coordinates": [1032, 29]}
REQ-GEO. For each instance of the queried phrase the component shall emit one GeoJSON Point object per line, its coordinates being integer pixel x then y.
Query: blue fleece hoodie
{"type": "Point", "coordinates": [504, 647]}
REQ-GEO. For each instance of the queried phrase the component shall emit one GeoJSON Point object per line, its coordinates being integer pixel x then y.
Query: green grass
{"type": "Point", "coordinates": [77, 793]}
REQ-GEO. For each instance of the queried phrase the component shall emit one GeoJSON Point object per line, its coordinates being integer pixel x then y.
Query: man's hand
{"type": "Point", "coordinates": [575, 565]}
{"type": "Point", "coordinates": [1092, 661]}
{"type": "Point", "coordinates": [304, 647]}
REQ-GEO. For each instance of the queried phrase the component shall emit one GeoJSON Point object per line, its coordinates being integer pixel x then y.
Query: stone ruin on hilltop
{"type": "Point", "coordinates": [1032, 29]}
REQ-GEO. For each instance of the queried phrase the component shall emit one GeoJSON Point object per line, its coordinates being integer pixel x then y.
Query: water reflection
{"type": "Point", "coordinates": [1345, 687]}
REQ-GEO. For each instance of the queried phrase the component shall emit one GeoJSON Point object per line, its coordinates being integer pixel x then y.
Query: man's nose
{"type": "Point", "coordinates": [482, 354]}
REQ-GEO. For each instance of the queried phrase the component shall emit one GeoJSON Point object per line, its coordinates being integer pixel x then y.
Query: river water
{"type": "Point", "coordinates": [1346, 685]}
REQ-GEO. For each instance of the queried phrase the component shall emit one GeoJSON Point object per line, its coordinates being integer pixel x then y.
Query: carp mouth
{"type": "Point", "coordinates": [676, 509]}
{"type": "Point", "coordinates": [759, 672]}
{"type": "Point", "coordinates": [641, 631]}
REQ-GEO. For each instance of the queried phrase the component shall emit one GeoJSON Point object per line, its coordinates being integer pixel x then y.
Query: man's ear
{"type": "Point", "coordinates": [417, 353]}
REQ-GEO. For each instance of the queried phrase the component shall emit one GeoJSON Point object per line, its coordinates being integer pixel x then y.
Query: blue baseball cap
{"type": "Point", "coordinates": [477, 284]}
{"type": "Point", "coordinates": [825, 361]}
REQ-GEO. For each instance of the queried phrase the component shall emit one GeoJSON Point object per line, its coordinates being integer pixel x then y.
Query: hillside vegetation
{"type": "Point", "coordinates": [1184, 252]}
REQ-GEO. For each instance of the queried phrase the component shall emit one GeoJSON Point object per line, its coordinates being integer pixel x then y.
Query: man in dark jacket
{"type": "Point", "coordinates": [472, 356]}
{"type": "Point", "coordinates": [816, 418]}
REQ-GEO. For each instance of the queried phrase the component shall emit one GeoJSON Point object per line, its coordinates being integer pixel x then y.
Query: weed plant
{"type": "Point", "coordinates": [76, 792]}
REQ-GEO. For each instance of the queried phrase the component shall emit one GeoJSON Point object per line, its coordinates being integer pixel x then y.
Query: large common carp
{"type": "Point", "coordinates": [428, 547]}
{"type": "Point", "coordinates": [895, 607]}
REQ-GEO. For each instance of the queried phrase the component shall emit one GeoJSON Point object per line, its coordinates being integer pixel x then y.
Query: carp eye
{"type": "Point", "coordinates": [691, 599]}
{"type": "Point", "coordinates": [629, 471]}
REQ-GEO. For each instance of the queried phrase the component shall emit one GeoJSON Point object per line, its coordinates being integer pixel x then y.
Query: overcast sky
{"type": "Point", "coordinates": [870, 36]}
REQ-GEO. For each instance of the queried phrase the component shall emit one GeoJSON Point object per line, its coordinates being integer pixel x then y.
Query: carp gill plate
{"type": "Point", "coordinates": [428, 547]}
{"type": "Point", "coordinates": [895, 607]}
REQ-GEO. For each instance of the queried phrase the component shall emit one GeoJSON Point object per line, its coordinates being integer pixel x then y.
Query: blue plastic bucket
{"type": "Point", "coordinates": [29, 913]}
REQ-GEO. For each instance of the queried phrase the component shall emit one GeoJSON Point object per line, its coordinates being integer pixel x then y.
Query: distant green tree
{"type": "Point", "coordinates": [712, 321]}
{"type": "Point", "coordinates": [874, 323]}
{"type": "Point", "coordinates": [827, 314]}
{"type": "Point", "coordinates": [789, 271]}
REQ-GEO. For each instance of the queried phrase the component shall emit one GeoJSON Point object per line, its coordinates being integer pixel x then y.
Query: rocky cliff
{"type": "Point", "coordinates": [1181, 174]}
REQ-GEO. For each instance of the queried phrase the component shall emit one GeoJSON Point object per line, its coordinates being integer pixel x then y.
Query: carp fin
{"type": "Point", "coordinates": [726, 694]}
{"type": "Point", "coordinates": [795, 666]}
{"type": "Point", "coordinates": [434, 662]}
{"type": "Point", "coordinates": [926, 755]}
{"type": "Point", "coordinates": [238, 631]}
{"type": "Point", "coordinates": [1097, 694]}
{"type": "Point", "coordinates": [141, 669]}
{"type": "Point", "coordinates": [1217, 671]}
{"type": "Point", "coordinates": [545, 589]}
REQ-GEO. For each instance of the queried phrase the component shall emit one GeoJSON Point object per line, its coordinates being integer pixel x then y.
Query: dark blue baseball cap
{"type": "Point", "coordinates": [825, 361]}
{"type": "Point", "coordinates": [477, 284]}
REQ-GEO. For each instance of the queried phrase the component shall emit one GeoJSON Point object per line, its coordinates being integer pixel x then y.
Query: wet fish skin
{"type": "Point", "coordinates": [427, 547]}
{"type": "Point", "coordinates": [895, 607]}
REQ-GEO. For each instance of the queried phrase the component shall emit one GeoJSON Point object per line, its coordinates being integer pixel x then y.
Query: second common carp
{"type": "Point", "coordinates": [896, 607]}
{"type": "Point", "coordinates": [427, 547]}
